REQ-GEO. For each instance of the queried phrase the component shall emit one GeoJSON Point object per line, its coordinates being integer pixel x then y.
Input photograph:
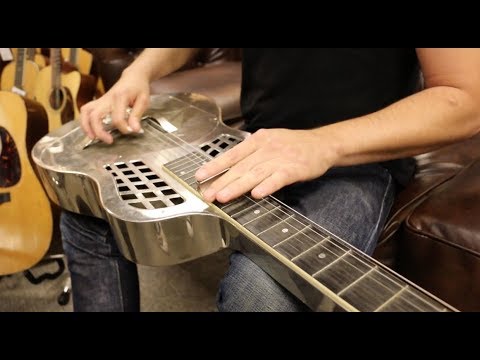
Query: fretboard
{"type": "Point", "coordinates": [19, 66]}
{"type": "Point", "coordinates": [56, 63]}
{"type": "Point", "coordinates": [338, 268]}
{"type": "Point", "coordinates": [73, 56]}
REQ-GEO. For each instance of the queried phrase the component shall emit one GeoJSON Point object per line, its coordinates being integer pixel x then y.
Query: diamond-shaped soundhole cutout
{"type": "Point", "coordinates": [220, 144]}
{"type": "Point", "coordinates": [140, 187]}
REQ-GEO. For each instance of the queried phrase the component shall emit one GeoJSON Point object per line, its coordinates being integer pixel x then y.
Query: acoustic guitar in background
{"type": "Point", "coordinates": [35, 55]}
{"type": "Point", "coordinates": [56, 90]}
{"type": "Point", "coordinates": [83, 61]}
{"type": "Point", "coordinates": [78, 59]}
{"type": "Point", "coordinates": [20, 75]}
{"type": "Point", "coordinates": [25, 213]}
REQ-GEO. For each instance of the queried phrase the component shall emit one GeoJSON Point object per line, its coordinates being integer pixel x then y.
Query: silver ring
{"type": "Point", "coordinates": [107, 119]}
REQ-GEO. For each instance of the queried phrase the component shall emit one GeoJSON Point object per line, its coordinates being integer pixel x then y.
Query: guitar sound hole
{"type": "Point", "coordinates": [219, 145]}
{"type": "Point", "coordinates": [158, 204]}
{"type": "Point", "coordinates": [57, 97]}
{"type": "Point", "coordinates": [10, 167]}
{"type": "Point", "coordinates": [176, 200]}
{"type": "Point", "coordinates": [129, 197]}
{"type": "Point", "coordinates": [4, 197]}
{"type": "Point", "coordinates": [138, 205]}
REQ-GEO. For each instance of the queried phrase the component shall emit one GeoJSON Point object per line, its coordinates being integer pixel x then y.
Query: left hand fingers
{"type": "Point", "coordinates": [263, 178]}
{"type": "Point", "coordinates": [225, 160]}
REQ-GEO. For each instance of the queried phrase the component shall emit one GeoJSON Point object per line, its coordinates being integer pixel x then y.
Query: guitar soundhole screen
{"type": "Point", "coordinates": [140, 187]}
{"type": "Point", "coordinates": [220, 144]}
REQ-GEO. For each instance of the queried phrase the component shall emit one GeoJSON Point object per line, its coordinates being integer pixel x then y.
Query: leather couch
{"type": "Point", "coordinates": [432, 236]}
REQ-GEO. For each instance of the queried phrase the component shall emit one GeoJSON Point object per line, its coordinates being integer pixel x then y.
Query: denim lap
{"type": "Point", "coordinates": [102, 279]}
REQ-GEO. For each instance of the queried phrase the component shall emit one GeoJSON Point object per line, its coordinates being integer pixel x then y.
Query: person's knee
{"type": "Point", "coordinates": [246, 287]}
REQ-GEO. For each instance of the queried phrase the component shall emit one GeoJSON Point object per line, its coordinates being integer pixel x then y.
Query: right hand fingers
{"type": "Point", "coordinates": [91, 116]}
{"type": "Point", "coordinates": [116, 105]}
{"type": "Point", "coordinates": [139, 107]}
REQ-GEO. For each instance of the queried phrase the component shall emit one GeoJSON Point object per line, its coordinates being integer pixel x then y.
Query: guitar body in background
{"type": "Point", "coordinates": [25, 214]}
{"type": "Point", "coordinates": [29, 71]}
{"type": "Point", "coordinates": [80, 58]}
{"type": "Point", "coordinates": [56, 91]}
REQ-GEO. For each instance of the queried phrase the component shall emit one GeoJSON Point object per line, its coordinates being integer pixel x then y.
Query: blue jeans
{"type": "Point", "coordinates": [351, 202]}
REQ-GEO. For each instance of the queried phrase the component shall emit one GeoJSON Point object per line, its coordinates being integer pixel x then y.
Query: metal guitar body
{"type": "Point", "coordinates": [154, 218]}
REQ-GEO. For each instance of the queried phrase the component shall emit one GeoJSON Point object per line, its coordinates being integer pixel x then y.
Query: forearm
{"type": "Point", "coordinates": [155, 63]}
{"type": "Point", "coordinates": [422, 122]}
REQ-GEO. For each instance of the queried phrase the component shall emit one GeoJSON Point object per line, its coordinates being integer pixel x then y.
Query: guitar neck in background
{"type": "Point", "coordinates": [20, 75]}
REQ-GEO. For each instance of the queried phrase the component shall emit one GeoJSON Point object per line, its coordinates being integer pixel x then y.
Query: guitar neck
{"type": "Point", "coordinates": [73, 59]}
{"type": "Point", "coordinates": [19, 68]}
{"type": "Point", "coordinates": [56, 63]}
{"type": "Point", "coordinates": [350, 278]}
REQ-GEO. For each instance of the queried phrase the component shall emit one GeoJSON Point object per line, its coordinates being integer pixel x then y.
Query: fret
{"type": "Point", "coordinates": [293, 246]}
{"type": "Point", "coordinates": [369, 292]}
{"type": "Point", "coordinates": [257, 224]}
{"type": "Point", "coordinates": [395, 303]}
{"type": "Point", "coordinates": [188, 175]}
{"type": "Point", "coordinates": [266, 204]}
{"type": "Point", "coordinates": [31, 54]}
{"type": "Point", "coordinates": [186, 164]}
{"type": "Point", "coordinates": [238, 205]}
{"type": "Point", "coordinates": [181, 163]}
{"type": "Point", "coordinates": [188, 168]}
{"type": "Point", "coordinates": [314, 259]}
{"type": "Point", "coordinates": [419, 299]}
{"type": "Point", "coordinates": [73, 56]}
{"type": "Point", "coordinates": [408, 300]}
{"type": "Point", "coordinates": [298, 221]}
{"type": "Point", "coordinates": [343, 273]}
{"type": "Point", "coordinates": [56, 63]}
{"type": "Point", "coordinates": [19, 66]}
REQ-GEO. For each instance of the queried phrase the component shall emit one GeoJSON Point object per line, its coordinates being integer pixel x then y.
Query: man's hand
{"type": "Point", "coordinates": [129, 91]}
{"type": "Point", "coordinates": [265, 162]}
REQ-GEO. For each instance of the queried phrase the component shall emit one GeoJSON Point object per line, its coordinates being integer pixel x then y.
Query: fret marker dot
{"type": "Point", "coordinates": [182, 172]}
{"type": "Point", "coordinates": [322, 255]}
{"type": "Point", "coordinates": [256, 212]}
{"type": "Point", "coordinates": [285, 230]}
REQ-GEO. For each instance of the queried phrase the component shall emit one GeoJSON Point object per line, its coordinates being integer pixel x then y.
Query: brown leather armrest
{"type": "Point", "coordinates": [440, 247]}
{"type": "Point", "coordinates": [433, 170]}
{"type": "Point", "coordinates": [221, 82]}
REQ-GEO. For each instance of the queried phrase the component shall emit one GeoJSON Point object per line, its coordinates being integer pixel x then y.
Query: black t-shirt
{"type": "Point", "coordinates": [302, 88]}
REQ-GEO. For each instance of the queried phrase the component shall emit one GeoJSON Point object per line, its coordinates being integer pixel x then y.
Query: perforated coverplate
{"type": "Point", "coordinates": [140, 187]}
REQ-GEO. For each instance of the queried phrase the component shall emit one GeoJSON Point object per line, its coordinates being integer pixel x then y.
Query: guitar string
{"type": "Point", "coordinates": [189, 149]}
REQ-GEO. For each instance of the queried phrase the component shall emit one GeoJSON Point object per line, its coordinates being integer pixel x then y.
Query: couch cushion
{"type": "Point", "coordinates": [433, 169]}
{"type": "Point", "coordinates": [440, 249]}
